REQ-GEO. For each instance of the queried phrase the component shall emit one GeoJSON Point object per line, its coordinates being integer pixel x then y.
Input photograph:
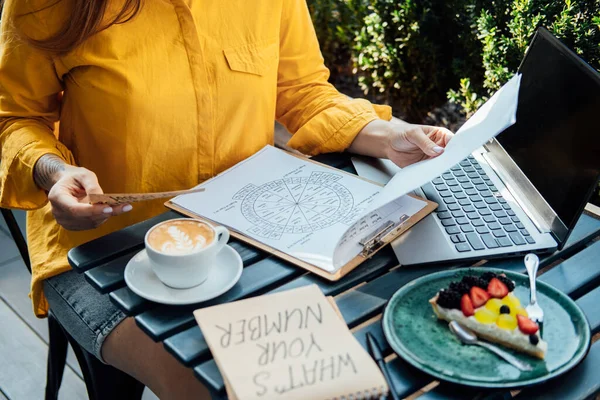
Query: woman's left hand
{"type": "Point", "coordinates": [401, 142]}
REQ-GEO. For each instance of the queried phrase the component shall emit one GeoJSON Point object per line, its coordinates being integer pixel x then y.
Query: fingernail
{"type": "Point", "coordinates": [438, 149]}
{"type": "Point", "coordinates": [107, 210]}
{"type": "Point", "coordinates": [127, 208]}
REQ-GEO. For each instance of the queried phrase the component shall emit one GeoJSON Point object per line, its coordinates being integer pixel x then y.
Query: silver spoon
{"type": "Point", "coordinates": [468, 337]}
{"type": "Point", "coordinates": [534, 311]}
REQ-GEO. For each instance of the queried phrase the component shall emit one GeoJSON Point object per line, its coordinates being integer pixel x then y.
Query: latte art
{"type": "Point", "coordinates": [180, 237]}
{"type": "Point", "coordinates": [181, 242]}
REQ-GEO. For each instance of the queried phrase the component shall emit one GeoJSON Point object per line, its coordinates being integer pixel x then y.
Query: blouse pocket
{"type": "Point", "coordinates": [256, 59]}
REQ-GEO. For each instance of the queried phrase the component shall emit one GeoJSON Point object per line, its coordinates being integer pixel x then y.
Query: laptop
{"type": "Point", "coordinates": [524, 190]}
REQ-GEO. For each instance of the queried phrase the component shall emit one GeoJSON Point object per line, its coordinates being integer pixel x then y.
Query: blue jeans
{"type": "Point", "coordinates": [87, 315]}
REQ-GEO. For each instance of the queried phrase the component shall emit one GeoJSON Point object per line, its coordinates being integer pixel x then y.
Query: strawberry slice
{"type": "Point", "coordinates": [479, 296]}
{"type": "Point", "coordinates": [466, 305]}
{"type": "Point", "coordinates": [526, 325]}
{"type": "Point", "coordinates": [497, 289]}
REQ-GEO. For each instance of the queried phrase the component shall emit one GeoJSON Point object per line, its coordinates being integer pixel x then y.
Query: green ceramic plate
{"type": "Point", "coordinates": [417, 336]}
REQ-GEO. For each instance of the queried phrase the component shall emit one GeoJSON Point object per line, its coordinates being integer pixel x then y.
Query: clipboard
{"type": "Point", "coordinates": [372, 244]}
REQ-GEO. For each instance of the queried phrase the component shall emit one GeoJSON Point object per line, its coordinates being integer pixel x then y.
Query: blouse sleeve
{"type": "Point", "coordinates": [29, 108]}
{"type": "Point", "coordinates": [320, 118]}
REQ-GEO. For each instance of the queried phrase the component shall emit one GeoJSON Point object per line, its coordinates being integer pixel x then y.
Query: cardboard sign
{"type": "Point", "coordinates": [288, 345]}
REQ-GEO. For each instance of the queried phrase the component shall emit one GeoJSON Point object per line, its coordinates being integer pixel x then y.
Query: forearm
{"type": "Point", "coordinates": [23, 141]}
{"type": "Point", "coordinates": [373, 139]}
{"type": "Point", "coordinates": [47, 170]}
{"type": "Point", "coordinates": [321, 119]}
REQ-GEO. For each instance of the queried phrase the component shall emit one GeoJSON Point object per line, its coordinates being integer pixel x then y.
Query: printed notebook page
{"type": "Point", "coordinates": [287, 346]}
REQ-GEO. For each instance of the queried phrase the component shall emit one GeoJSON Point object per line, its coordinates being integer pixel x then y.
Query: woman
{"type": "Point", "coordinates": [155, 96]}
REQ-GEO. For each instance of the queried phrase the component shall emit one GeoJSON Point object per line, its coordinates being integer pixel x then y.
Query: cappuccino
{"type": "Point", "coordinates": [180, 236]}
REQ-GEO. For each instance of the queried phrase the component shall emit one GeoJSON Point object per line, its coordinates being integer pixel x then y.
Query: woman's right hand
{"type": "Point", "coordinates": [68, 189]}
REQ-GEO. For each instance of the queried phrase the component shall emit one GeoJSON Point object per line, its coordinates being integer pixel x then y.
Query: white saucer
{"type": "Point", "coordinates": [143, 281]}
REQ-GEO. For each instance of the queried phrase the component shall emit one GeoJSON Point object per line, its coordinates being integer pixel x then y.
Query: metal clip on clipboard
{"type": "Point", "coordinates": [384, 234]}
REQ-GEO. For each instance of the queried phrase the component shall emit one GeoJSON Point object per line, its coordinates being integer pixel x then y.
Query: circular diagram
{"type": "Point", "coordinates": [295, 204]}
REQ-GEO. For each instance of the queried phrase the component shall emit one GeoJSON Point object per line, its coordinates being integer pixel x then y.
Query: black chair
{"type": "Point", "coordinates": [102, 381]}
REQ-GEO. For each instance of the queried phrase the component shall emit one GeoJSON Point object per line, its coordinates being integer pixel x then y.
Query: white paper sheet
{"type": "Point", "coordinates": [295, 206]}
{"type": "Point", "coordinates": [497, 114]}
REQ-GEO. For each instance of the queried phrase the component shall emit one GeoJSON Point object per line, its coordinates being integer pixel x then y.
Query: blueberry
{"type": "Point", "coordinates": [534, 340]}
{"type": "Point", "coordinates": [505, 309]}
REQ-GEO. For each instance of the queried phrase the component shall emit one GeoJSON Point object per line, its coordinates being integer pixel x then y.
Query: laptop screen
{"type": "Point", "coordinates": [556, 139]}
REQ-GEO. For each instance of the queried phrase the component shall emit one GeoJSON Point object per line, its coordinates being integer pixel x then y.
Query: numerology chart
{"type": "Point", "coordinates": [295, 204]}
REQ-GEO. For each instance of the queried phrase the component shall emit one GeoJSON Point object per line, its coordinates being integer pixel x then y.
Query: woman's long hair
{"type": "Point", "coordinates": [87, 18]}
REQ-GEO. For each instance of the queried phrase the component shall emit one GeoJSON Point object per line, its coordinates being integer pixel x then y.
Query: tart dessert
{"type": "Point", "coordinates": [488, 306]}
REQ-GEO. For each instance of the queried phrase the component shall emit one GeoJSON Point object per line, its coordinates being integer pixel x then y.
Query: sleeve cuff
{"type": "Point", "coordinates": [334, 129]}
{"type": "Point", "coordinates": [17, 187]}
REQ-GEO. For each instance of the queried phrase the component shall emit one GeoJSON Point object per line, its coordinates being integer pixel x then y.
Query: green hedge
{"type": "Point", "coordinates": [411, 51]}
{"type": "Point", "coordinates": [505, 35]}
{"type": "Point", "coordinates": [416, 54]}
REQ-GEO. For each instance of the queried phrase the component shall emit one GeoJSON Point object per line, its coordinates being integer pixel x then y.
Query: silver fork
{"type": "Point", "coordinates": [534, 310]}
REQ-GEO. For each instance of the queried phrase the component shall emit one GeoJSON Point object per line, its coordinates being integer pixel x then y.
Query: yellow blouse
{"type": "Point", "coordinates": [181, 92]}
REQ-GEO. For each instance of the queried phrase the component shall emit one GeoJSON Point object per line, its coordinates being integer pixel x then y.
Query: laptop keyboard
{"type": "Point", "coordinates": [473, 212]}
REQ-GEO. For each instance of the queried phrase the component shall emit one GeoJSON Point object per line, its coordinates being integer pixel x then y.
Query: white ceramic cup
{"type": "Point", "coordinates": [183, 271]}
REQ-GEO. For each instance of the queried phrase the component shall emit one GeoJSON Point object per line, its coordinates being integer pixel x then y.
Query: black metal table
{"type": "Point", "coordinates": [360, 296]}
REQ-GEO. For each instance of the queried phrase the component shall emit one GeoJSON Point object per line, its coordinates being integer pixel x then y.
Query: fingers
{"type": "Point", "coordinates": [66, 203]}
{"type": "Point", "coordinates": [418, 137]}
{"type": "Point", "coordinates": [89, 182]}
{"type": "Point", "coordinates": [121, 209]}
{"type": "Point", "coordinates": [111, 211]}
{"type": "Point", "coordinates": [71, 223]}
{"type": "Point", "coordinates": [73, 215]}
{"type": "Point", "coordinates": [72, 211]}
{"type": "Point", "coordinates": [446, 135]}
